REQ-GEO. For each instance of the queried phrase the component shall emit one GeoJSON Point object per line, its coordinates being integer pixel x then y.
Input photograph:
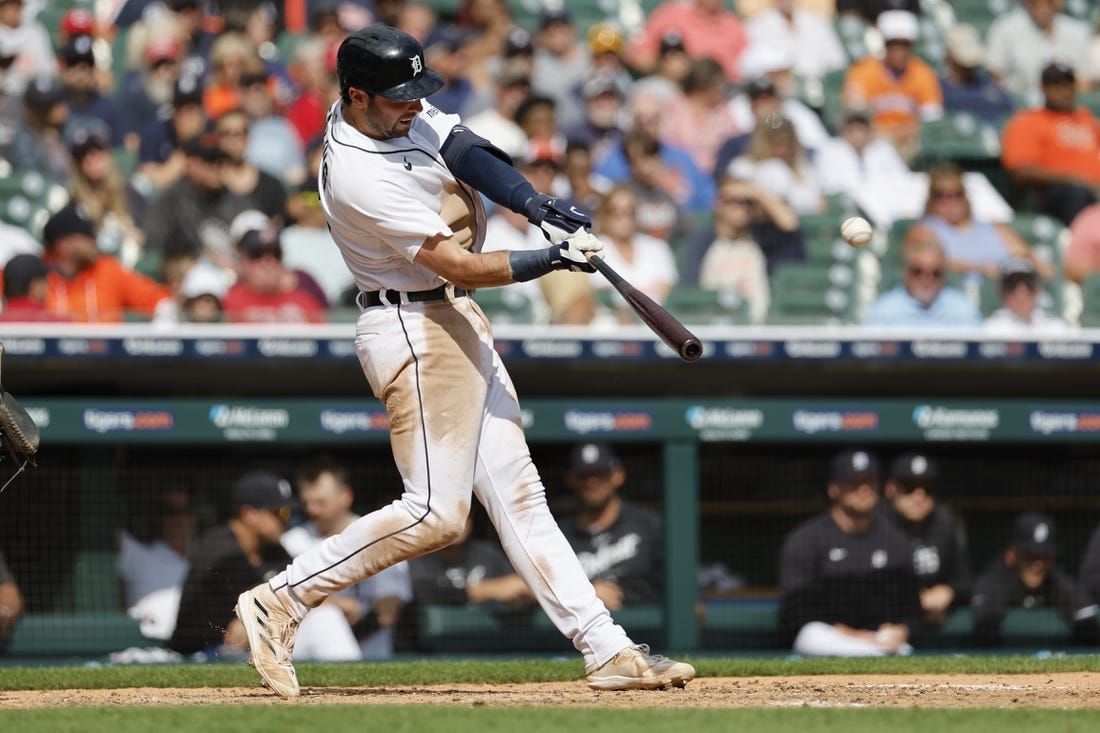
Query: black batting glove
{"type": "Point", "coordinates": [556, 220]}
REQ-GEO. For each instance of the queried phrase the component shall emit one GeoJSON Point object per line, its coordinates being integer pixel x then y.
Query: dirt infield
{"type": "Point", "coordinates": [1077, 690]}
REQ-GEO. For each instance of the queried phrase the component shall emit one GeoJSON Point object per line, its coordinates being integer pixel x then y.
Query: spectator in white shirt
{"type": "Point", "coordinates": [1022, 42]}
{"type": "Point", "coordinates": [1020, 312]}
{"type": "Point", "coordinates": [817, 47]}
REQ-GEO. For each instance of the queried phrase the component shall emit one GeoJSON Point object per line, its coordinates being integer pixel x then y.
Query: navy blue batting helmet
{"type": "Point", "coordinates": [385, 61]}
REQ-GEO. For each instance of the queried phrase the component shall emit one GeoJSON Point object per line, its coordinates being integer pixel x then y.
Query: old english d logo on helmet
{"type": "Point", "coordinates": [385, 61]}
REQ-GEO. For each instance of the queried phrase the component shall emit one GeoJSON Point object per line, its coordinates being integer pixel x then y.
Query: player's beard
{"type": "Point", "coordinates": [380, 126]}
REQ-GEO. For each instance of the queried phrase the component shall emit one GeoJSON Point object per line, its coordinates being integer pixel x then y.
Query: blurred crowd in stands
{"type": "Point", "coordinates": [159, 158]}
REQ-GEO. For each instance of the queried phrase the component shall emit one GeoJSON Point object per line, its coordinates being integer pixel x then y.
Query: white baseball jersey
{"type": "Point", "coordinates": [390, 195]}
{"type": "Point", "coordinates": [456, 430]}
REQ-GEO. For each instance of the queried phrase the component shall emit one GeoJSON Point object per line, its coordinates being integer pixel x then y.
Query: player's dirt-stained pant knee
{"type": "Point", "coordinates": [439, 531]}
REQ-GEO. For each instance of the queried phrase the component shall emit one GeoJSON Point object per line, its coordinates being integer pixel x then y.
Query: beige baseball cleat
{"type": "Point", "coordinates": [634, 668]}
{"type": "Point", "coordinates": [271, 631]}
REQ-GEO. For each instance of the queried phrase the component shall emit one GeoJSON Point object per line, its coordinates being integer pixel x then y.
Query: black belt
{"type": "Point", "coordinates": [378, 297]}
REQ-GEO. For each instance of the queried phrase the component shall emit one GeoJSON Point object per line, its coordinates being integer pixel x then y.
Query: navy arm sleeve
{"type": "Point", "coordinates": [477, 162]}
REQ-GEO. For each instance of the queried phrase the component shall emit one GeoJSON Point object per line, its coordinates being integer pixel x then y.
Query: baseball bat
{"type": "Point", "coordinates": [660, 321]}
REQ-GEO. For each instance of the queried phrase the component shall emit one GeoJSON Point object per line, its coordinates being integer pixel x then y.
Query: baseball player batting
{"type": "Point", "coordinates": [398, 184]}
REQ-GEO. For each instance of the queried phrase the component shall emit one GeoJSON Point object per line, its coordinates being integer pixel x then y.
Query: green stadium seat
{"type": "Point", "coordinates": [832, 113]}
{"type": "Point", "coordinates": [1085, 10]}
{"type": "Point", "coordinates": [26, 199]}
{"type": "Point", "coordinates": [506, 305]}
{"type": "Point", "coordinates": [1047, 236]}
{"type": "Point", "coordinates": [1090, 295]}
{"type": "Point", "coordinates": [960, 137]}
{"type": "Point", "coordinates": [741, 623]}
{"type": "Point", "coordinates": [468, 629]}
{"type": "Point", "coordinates": [1021, 625]}
{"type": "Point", "coordinates": [821, 235]}
{"type": "Point", "coordinates": [93, 584]}
{"type": "Point", "coordinates": [977, 13]}
{"type": "Point", "coordinates": [930, 45]}
{"type": "Point", "coordinates": [811, 294]}
{"type": "Point", "coordinates": [286, 43]}
{"type": "Point", "coordinates": [641, 622]}
{"type": "Point", "coordinates": [852, 31]}
{"type": "Point", "coordinates": [1090, 100]}
{"type": "Point", "coordinates": [50, 16]}
{"type": "Point", "coordinates": [75, 635]}
{"type": "Point", "coordinates": [699, 306]}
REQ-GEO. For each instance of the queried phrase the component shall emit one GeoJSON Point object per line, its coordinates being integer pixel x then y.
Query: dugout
{"type": "Point", "coordinates": [732, 463]}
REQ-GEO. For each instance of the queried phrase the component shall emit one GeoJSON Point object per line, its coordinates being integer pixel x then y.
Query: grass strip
{"type": "Point", "coordinates": [447, 671]}
{"type": "Point", "coordinates": [398, 719]}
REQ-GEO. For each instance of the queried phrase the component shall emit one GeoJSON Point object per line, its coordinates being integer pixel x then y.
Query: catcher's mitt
{"type": "Point", "coordinates": [18, 434]}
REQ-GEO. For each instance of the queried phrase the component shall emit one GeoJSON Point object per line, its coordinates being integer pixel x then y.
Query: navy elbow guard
{"type": "Point", "coordinates": [459, 144]}
{"type": "Point", "coordinates": [488, 169]}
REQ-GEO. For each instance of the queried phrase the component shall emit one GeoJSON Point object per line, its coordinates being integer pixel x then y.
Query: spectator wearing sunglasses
{"type": "Point", "coordinates": [938, 538]}
{"type": "Point", "coordinates": [923, 299]}
{"type": "Point", "coordinates": [267, 291]}
{"type": "Point", "coordinates": [974, 247]}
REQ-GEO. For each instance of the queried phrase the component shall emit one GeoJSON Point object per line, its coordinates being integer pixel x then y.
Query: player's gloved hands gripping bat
{"type": "Point", "coordinates": [574, 251]}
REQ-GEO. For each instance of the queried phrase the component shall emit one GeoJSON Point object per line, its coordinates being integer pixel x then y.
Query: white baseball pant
{"type": "Point", "coordinates": [454, 424]}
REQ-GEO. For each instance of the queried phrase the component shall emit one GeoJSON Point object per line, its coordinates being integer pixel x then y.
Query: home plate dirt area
{"type": "Point", "coordinates": [1076, 690]}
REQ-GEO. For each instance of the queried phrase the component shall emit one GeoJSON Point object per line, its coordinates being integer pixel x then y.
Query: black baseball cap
{"type": "Point", "coordinates": [262, 490]}
{"type": "Point", "coordinates": [204, 147]}
{"type": "Point", "coordinates": [1033, 534]}
{"type": "Point", "coordinates": [43, 93]}
{"type": "Point", "coordinates": [1058, 72]}
{"type": "Point", "coordinates": [853, 464]}
{"type": "Point", "coordinates": [91, 134]}
{"type": "Point", "coordinates": [20, 271]}
{"type": "Point", "coordinates": [761, 86]}
{"type": "Point", "coordinates": [78, 50]}
{"type": "Point", "coordinates": [671, 41]}
{"type": "Point", "coordinates": [912, 470]}
{"type": "Point", "coordinates": [188, 91]}
{"type": "Point", "coordinates": [518, 42]}
{"type": "Point", "coordinates": [593, 458]}
{"type": "Point", "coordinates": [70, 219]}
{"type": "Point", "coordinates": [257, 242]}
{"type": "Point", "coordinates": [555, 16]}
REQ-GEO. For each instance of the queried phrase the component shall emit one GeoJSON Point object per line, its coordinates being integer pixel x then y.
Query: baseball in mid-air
{"type": "Point", "coordinates": [856, 231]}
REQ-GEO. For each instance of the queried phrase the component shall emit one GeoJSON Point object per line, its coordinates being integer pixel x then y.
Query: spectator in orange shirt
{"type": "Point", "coordinates": [84, 283]}
{"type": "Point", "coordinates": [900, 89]}
{"type": "Point", "coordinates": [1053, 152]}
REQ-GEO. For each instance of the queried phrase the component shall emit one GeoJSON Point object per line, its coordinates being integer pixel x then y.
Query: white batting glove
{"type": "Point", "coordinates": [573, 250]}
